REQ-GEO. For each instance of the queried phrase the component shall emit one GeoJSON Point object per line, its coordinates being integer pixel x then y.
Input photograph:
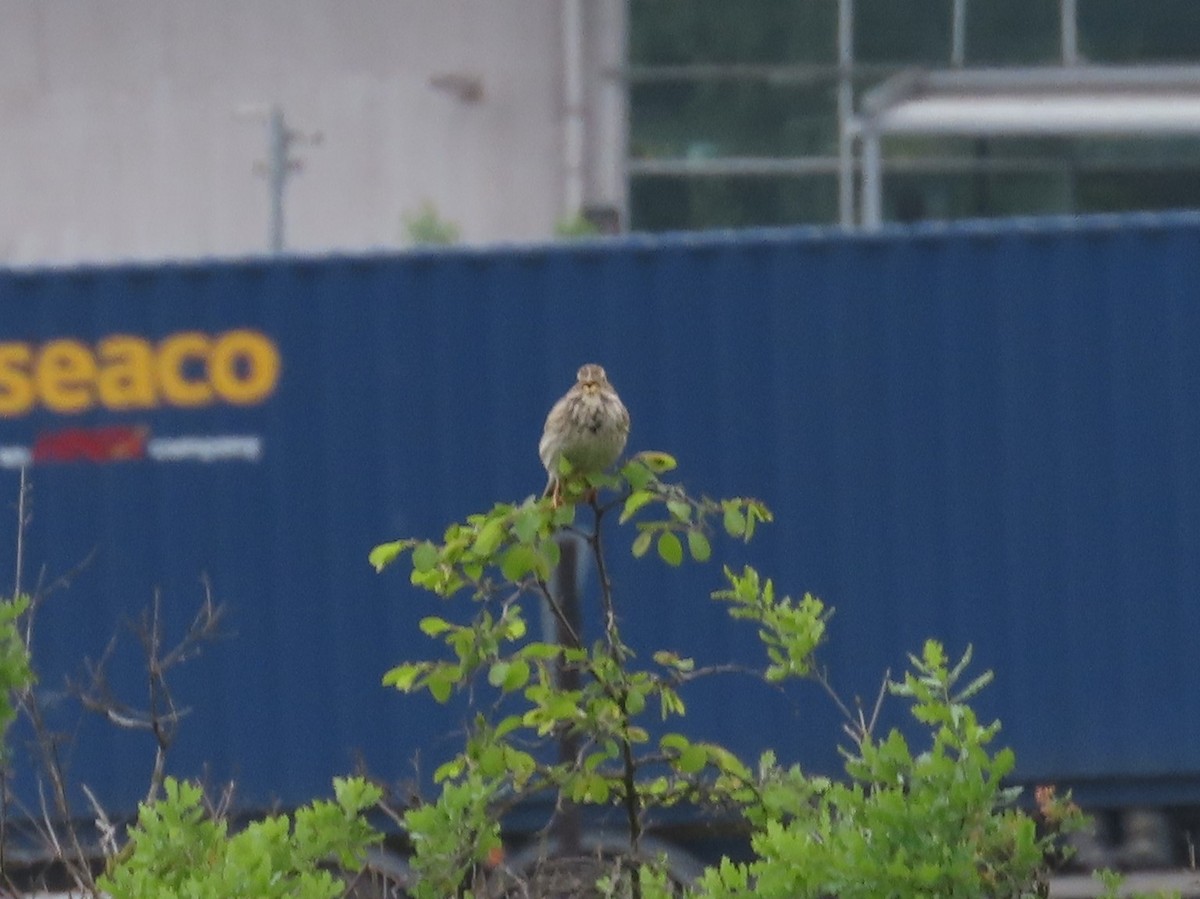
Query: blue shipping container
{"type": "Point", "coordinates": [985, 434]}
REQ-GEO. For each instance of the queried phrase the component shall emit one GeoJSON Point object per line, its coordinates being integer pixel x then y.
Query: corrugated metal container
{"type": "Point", "coordinates": [985, 434]}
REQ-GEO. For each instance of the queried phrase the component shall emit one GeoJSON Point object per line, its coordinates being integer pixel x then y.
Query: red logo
{"type": "Point", "coordinates": [111, 444]}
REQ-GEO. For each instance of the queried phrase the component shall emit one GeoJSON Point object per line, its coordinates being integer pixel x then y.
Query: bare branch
{"type": "Point", "coordinates": [23, 515]}
{"type": "Point", "coordinates": [559, 615]}
{"type": "Point", "coordinates": [857, 725]}
{"type": "Point", "coordinates": [104, 826]}
{"type": "Point", "coordinates": [43, 591]}
{"type": "Point", "coordinates": [821, 676]}
{"type": "Point", "coordinates": [883, 686]}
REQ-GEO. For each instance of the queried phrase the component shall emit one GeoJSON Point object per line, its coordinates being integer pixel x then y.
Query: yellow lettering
{"type": "Point", "coordinates": [174, 354]}
{"type": "Point", "coordinates": [126, 378]}
{"type": "Point", "coordinates": [243, 367]}
{"type": "Point", "coordinates": [65, 372]}
{"type": "Point", "coordinates": [123, 372]}
{"type": "Point", "coordinates": [17, 394]}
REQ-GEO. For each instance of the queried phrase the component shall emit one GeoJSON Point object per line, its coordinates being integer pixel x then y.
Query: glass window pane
{"type": "Point", "coordinates": [1139, 31]}
{"type": "Point", "coordinates": [678, 32]}
{"type": "Point", "coordinates": [706, 119]}
{"type": "Point", "coordinates": [917, 197]}
{"type": "Point", "coordinates": [760, 116]}
{"type": "Point", "coordinates": [1014, 32]}
{"type": "Point", "coordinates": [667, 203]}
{"type": "Point", "coordinates": [1118, 191]}
{"type": "Point", "coordinates": [903, 31]}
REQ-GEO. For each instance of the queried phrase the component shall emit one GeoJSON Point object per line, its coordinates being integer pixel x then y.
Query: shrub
{"type": "Point", "coordinates": [177, 849]}
{"type": "Point", "coordinates": [934, 822]}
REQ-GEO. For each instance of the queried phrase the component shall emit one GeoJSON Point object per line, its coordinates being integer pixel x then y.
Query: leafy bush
{"type": "Point", "coordinates": [591, 698]}
{"type": "Point", "coordinates": [933, 823]}
{"type": "Point", "coordinates": [176, 849]}
{"type": "Point", "coordinates": [427, 228]}
{"type": "Point", "coordinates": [15, 672]}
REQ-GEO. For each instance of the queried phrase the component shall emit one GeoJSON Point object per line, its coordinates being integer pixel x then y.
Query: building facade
{"type": "Point", "coordinates": [740, 120]}
{"type": "Point", "coordinates": [143, 129]}
{"type": "Point", "coordinates": [150, 129]}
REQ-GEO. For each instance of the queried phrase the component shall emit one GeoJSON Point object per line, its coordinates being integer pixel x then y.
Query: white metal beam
{"type": "Point", "coordinates": [1077, 101]}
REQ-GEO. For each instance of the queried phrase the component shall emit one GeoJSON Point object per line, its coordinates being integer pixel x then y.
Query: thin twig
{"type": "Point", "coordinates": [857, 726]}
{"type": "Point", "coordinates": [53, 768]}
{"type": "Point", "coordinates": [610, 618]}
{"type": "Point", "coordinates": [22, 503]}
{"type": "Point", "coordinates": [883, 686]}
{"type": "Point", "coordinates": [684, 677]}
{"type": "Point", "coordinates": [42, 592]}
{"type": "Point", "coordinates": [162, 715]}
{"type": "Point", "coordinates": [821, 676]}
{"type": "Point", "coordinates": [104, 825]}
{"type": "Point", "coordinates": [632, 798]}
{"type": "Point", "coordinates": [559, 615]}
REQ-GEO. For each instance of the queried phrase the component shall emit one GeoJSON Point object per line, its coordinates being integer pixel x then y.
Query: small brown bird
{"type": "Point", "coordinates": [588, 427]}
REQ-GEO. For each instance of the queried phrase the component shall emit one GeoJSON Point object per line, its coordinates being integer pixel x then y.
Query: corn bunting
{"type": "Point", "coordinates": [588, 427]}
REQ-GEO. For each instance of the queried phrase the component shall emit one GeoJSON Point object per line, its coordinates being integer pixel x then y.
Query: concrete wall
{"type": "Point", "coordinates": [131, 128]}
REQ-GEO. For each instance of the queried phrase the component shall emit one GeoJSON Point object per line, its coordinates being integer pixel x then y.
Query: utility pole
{"type": "Point", "coordinates": [1069, 37]}
{"type": "Point", "coordinates": [279, 165]}
{"type": "Point", "coordinates": [958, 34]}
{"type": "Point", "coordinates": [845, 111]}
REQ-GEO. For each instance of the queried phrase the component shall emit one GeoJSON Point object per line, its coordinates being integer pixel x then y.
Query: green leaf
{"type": "Point", "coordinates": [540, 651]}
{"type": "Point", "coordinates": [518, 561]}
{"type": "Point", "coordinates": [641, 543]}
{"type": "Point", "coordinates": [448, 770]}
{"type": "Point", "coordinates": [517, 676]}
{"type": "Point", "coordinates": [354, 794]}
{"type": "Point", "coordinates": [656, 787]}
{"type": "Point", "coordinates": [1003, 763]}
{"type": "Point", "coordinates": [564, 516]}
{"type": "Point", "coordinates": [598, 790]}
{"type": "Point", "coordinates": [728, 763]}
{"type": "Point", "coordinates": [670, 702]}
{"type": "Point", "coordinates": [636, 735]}
{"type": "Point", "coordinates": [425, 556]}
{"type": "Point", "coordinates": [751, 521]}
{"type": "Point", "coordinates": [735, 521]}
{"type": "Point", "coordinates": [595, 759]}
{"type": "Point", "coordinates": [974, 687]}
{"type": "Point", "coordinates": [441, 683]}
{"type": "Point", "coordinates": [635, 702]}
{"type": "Point", "coordinates": [386, 553]}
{"type": "Point", "coordinates": [403, 677]}
{"type": "Point", "coordinates": [637, 475]}
{"type": "Point", "coordinates": [680, 510]}
{"type": "Point", "coordinates": [657, 462]}
{"type": "Point", "coordinates": [491, 761]}
{"type": "Point", "coordinates": [673, 660]}
{"type": "Point", "coordinates": [528, 523]}
{"type": "Point", "coordinates": [692, 759]}
{"type": "Point", "coordinates": [699, 546]}
{"type": "Point", "coordinates": [550, 553]}
{"type": "Point", "coordinates": [490, 537]}
{"type": "Point", "coordinates": [432, 625]}
{"type": "Point", "coordinates": [497, 673]}
{"type": "Point", "coordinates": [670, 550]}
{"type": "Point", "coordinates": [634, 502]}
{"type": "Point", "coordinates": [509, 675]}
{"type": "Point", "coordinates": [678, 742]}
{"type": "Point", "coordinates": [521, 766]}
{"type": "Point", "coordinates": [514, 625]}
